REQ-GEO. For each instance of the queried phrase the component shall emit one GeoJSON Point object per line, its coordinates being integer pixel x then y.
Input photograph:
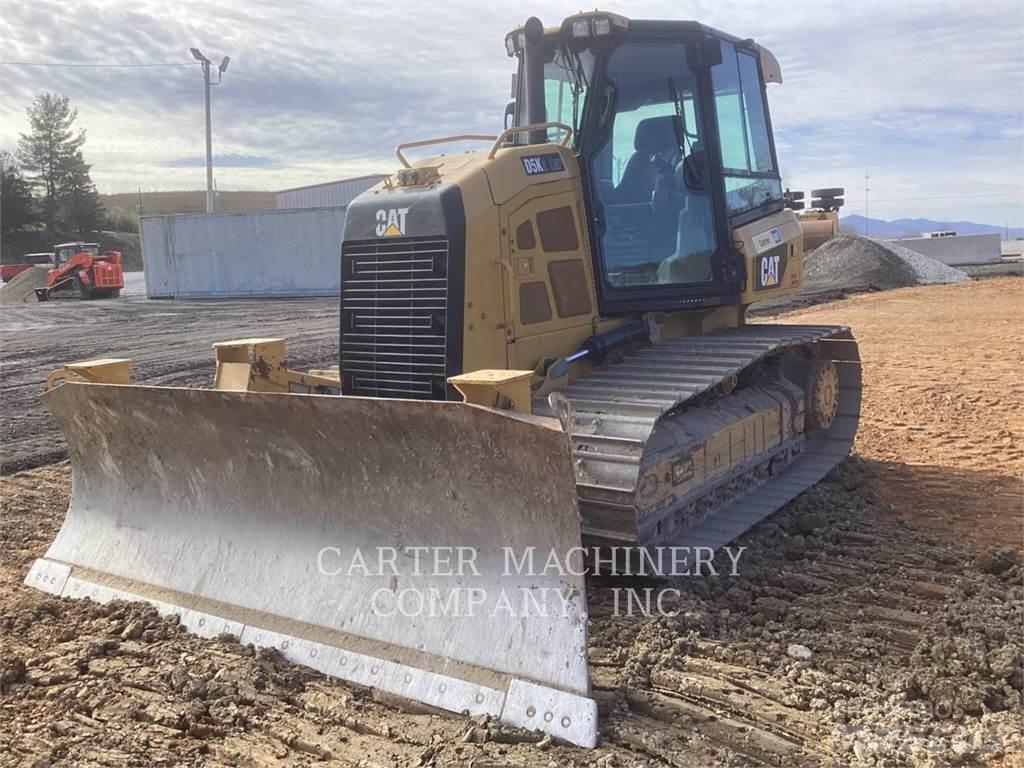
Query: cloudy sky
{"type": "Point", "coordinates": [926, 97]}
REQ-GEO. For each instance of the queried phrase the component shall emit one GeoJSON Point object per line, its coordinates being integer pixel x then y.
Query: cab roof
{"type": "Point", "coordinates": [667, 27]}
{"type": "Point", "coordinates": [670, 29]}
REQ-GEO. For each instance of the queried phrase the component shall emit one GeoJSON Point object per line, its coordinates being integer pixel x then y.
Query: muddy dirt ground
{"type": "Point", "coordinates": [876, 620]}
{"type": "Point", "coordinates": [169, 343]}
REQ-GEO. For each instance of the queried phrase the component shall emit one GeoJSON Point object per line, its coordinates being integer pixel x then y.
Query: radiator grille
{"type": "Point", "coordinates": [393, 319]}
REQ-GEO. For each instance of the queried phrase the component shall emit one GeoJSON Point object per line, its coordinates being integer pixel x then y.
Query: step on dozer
{"type": "Point", "coordinates": [533, 359]}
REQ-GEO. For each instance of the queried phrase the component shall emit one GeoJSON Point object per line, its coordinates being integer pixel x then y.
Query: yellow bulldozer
{"type": "Point", "coordinates": [543, 351]}
{"type": "Point", "coordinates": [820, 223]}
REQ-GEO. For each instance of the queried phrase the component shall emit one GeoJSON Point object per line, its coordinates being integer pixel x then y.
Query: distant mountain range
{"type": "Point", "coordinates": [916, 227]}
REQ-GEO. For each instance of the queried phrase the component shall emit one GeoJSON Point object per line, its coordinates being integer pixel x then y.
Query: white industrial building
{"type": "Point", "coordinates": [327, 195]}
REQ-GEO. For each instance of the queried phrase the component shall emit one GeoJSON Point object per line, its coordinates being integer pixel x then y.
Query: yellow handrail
{"type": "Point", "coordinates": [503, 136]}
{"type": "Point", "coordinates": [442, 140]}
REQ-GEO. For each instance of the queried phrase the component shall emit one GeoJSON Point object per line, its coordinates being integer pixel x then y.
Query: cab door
{"type": "Point", "coordinates": [659, 231]}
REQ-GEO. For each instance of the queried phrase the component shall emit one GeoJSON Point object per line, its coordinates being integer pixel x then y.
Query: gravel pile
{"type": "Point", "coordinates": [23, 287]}
{"type": "Point", "coordinates": [854, 263]}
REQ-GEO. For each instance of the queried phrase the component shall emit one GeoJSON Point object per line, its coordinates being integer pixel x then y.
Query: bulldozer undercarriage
{"type": "Point", "coordinates": [693, 441]}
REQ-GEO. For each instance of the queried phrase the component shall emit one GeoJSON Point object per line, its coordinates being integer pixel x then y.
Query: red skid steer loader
{"type": "Point", "coordinates": [81, 272]}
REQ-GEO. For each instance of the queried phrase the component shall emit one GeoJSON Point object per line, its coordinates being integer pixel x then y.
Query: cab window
{"type": "Point", "coordinates": [650, 174]}
{"type": "Point", "coordinates": [566, 81]}
{"type": "Point", "coordinates": [751, 178]}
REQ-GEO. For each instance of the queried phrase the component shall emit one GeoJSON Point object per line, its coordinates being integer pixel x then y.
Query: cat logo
{"type": "Point", "coordinates": [391, 222]}
{"type": "Point", "coordinates": [770, 271]}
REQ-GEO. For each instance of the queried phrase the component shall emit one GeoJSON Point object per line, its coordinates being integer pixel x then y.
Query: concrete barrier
{"type": "Point", "coordinates": [960, 249]}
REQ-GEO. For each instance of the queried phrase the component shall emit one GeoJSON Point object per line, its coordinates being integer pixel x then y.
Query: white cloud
{"type": "Point", "coordinates": [925, 96]}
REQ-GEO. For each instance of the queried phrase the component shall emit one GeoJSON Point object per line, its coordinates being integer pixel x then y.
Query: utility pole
{"type": "Point", "coordinates": [867, 206]}
{"type": "Point", "coordinates": [205, 62]}
{"type": "Point", "coordinates": [209, 138]}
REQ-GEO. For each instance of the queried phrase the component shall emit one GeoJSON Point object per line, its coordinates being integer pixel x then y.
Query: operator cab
{"type": "Point", "coordinates": [64, 252]}
{"type": "Point", "coordinates": [671, 127]}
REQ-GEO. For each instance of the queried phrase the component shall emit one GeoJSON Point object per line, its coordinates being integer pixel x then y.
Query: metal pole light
{"type": "Point", "coordinates": [205, 62]}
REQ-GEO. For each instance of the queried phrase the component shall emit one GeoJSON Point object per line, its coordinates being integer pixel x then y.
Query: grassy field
{"type": "Point", "coordinates": [188, 201]}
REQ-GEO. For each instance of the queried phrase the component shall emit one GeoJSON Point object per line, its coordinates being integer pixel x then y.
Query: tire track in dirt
{"type": "Point", "coordinates": [169, 343]}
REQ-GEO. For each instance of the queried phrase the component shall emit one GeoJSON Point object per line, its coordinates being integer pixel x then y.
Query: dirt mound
{"type": "Point", "coordinates": [854, 263]}
{"type": "Point", "coordinates": [22, 288]}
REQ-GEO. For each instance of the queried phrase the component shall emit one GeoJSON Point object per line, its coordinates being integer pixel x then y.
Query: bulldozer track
{"type": "Point", "coordinates": [663, 712]}
{"type": "Point", "coordinates": [731, 706]}
{"type": "Point", "coordinates": [615, 410]}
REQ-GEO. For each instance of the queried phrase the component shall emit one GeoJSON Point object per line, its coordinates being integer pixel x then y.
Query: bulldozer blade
{"type": "Point", "coordinates": [402, 545]}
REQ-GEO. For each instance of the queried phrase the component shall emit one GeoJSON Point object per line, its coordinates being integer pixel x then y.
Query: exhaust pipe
{"type": "Point", "coordinates": [533, 73]}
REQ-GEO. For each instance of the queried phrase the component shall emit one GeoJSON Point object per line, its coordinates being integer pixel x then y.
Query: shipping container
{"type": "Point", "coordinates": [243, 255]}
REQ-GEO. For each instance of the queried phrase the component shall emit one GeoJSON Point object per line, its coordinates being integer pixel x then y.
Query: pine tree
{"type": "Point", "coordinates": [51, 154]}
{"type": "Point", "coordinates": [78, 201]}
{"type": "Point", "coordinates": [17, 209]}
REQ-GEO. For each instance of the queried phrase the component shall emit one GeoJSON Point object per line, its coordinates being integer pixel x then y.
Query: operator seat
{"type": "Point", "coordinates": [690, 261]}
{"type": "Point", "coordinates": [653, 135]}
